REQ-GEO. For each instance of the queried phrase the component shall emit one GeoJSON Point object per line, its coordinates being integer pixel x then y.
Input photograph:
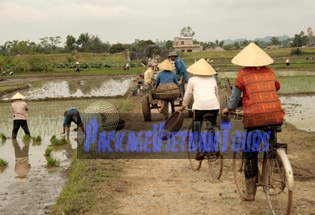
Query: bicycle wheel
{"type": "Point", "coordinates": [191, 152]}
{"type": "Point", "coordinates": [146, 108]}
{"type": "Point", "coordinates": [239, 171]}
{"type": "Point", "coordinates": [215, 159]}
{"type": "Point", "coordinates": [279, 183]}
{"type": "Point", "coordinates": [215, 163]}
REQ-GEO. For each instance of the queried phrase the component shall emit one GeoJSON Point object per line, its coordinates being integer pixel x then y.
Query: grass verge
{"type": "Point", "coordinates": [91, 187]}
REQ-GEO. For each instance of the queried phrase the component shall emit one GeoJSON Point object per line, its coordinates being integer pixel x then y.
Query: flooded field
{"type": "Point", "coordinates": [77, 87]}
{"type": "Point", "coordinates": [300, 111]}
{"type": "Point", "coordinates": [45, 119]}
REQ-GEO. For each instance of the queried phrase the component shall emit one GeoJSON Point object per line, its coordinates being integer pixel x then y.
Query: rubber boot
{"type": "Point", "coordinates": [250, 193]}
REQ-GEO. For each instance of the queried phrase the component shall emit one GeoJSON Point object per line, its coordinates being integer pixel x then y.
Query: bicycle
{"type": "Point", "coordinates": [137, 87]}
{"type": "Point", "coordinates": [214, 158]}
{"type": "Point", "coordinates": [275, 173]}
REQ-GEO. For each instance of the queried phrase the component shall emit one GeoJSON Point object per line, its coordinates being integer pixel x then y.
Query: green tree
{"type": "Point", "coordinates": [70, 43]}
{"type": "Point", "coordinates": [219, 43]}
{"type": "Point", "coordinates": [140, 45]}
{"type": "Point", "coordinates": [54, 42]}
{"type": "Point", "coordinates": [299, 40]}
{"type": "Point", "coordinates": [169, 45]}
{"type": "Point", "coordinates": [116, 48]}
{"type": "Point", "coordinates": [48, 45]}
{"type": "Point", "coordinates": [83, 41]}
{"type": "Point", "coordinates": [244, 43]}
{"type": "Point", "coordinates": [187, 32]}
{"type": "Point", "coordinates": [96, 45]}
{"type": "Point", "coordinates": [275, 41]}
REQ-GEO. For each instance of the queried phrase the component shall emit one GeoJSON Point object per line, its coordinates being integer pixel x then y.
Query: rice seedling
{"type": "Point", "coordinates": [37, 140]}
{"type": "Point", "coordinates": [297, 84]}
{"type": "Point", "coordinates": [3, 163]}
{"type": "Point", "coordinates": [48, 151]}
{"type": "Point", "coordinates": [2, 136]}
{"type": "Point", "coordinates": [26, 137]}
{"type": "Point", "coordinates": [57, 141]}
{"type": "Point", "coordinates": [52, 162]}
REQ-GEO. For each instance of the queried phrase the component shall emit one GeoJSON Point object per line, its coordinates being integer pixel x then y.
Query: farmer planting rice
{"type": "Point", "coordinates": [72, 115]}
{"type": "Point", "coordinates": [19, 109]}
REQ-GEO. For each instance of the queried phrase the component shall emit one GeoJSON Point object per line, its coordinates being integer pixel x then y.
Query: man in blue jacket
{"type": "Point", "coordinates": [181, 71]}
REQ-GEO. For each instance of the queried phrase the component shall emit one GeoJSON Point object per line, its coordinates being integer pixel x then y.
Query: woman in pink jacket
{"type": "Point", "coordinates": [19, 109]}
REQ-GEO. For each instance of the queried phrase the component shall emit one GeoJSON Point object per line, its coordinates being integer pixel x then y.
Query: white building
{"type": "Point", "coordinates": [185, 44]}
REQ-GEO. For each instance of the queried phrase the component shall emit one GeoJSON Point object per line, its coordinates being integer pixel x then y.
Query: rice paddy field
{"type": "Point", "coordinates": [50, 94]}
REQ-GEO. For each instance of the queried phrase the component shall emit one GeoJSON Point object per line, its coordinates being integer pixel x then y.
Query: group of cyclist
{"type": "Point", "coordinates": [255, 85]}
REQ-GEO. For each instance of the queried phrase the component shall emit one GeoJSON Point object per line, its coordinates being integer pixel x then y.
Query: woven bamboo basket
{"type": "Point", "coordinates": [105, 113]}
{"type": "Point", "coordinates": [173, 124]}
{"type": "Point", "coordinates": [167, 91]}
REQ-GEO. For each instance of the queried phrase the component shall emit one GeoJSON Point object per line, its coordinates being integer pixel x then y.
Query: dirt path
{"type": "Point", "coordinates": [169, 186]}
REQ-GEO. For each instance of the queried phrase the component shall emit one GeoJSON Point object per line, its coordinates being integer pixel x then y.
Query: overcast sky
{"type": "Point", "coordinates": [124, 21]}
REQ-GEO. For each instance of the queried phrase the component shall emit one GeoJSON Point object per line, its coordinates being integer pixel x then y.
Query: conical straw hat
{"type": "Point", "coordinates": [172, 54]}
{"type": "Point", "coordinates": [166, 65]}
{"type": "Point", "coordinates": [18, 96]}
{"type": "Point", "coordinates": [252, 56]}
{"type": "Point", "coordinates": [201, 67]}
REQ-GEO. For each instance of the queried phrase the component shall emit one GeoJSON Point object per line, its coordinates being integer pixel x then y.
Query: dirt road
{"type": "Point", "coordinates": [169, 186]}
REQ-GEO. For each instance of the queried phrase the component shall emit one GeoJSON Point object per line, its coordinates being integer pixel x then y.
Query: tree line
{"type": "Point", "coordinates": [93, 44]}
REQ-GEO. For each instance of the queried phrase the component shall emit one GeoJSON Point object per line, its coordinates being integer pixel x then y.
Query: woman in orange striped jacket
{"type": "Point", "coordinates": [261, 105]}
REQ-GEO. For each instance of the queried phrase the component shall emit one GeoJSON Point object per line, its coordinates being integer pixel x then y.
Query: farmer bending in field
{"type": "Point", "coordinates": [72, 115]}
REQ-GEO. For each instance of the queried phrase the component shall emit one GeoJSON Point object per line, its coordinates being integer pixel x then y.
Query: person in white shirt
{"type": "Point", "coordinates": [202, 88]}
{"type": "Point", "coordinates": [148, 74]}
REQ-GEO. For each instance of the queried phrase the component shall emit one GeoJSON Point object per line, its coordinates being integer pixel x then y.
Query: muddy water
{"type": "Point", "coordinates": [77, 87]}
{"type": "Point", "coordinates": [300, 111]}
{"type": "Point", "coordinates": [37, 193]}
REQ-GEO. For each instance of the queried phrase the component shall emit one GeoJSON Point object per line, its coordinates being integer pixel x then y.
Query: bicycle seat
{"type": "Point", "coordinates": [282, 145]}
{"type": "Point", "coordinates": [272, 128]}
{"type": "Point", "coordinates": [208, 116]}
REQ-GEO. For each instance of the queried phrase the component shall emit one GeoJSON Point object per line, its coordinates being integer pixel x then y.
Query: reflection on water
{"type": "Point", "coordinates": [22, 165]}
{"type": "Point", "coordinates": [83, 87]}
{"type": "Point", "coordinates": [27, 179]}
{"type": "Point", "coordinates": [299, 111]}
{"type": "Point", "coordinates": [39, 183]}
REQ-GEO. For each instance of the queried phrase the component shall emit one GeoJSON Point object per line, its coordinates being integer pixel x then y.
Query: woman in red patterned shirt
{"type": "Point", "coordinates": [261, 104]}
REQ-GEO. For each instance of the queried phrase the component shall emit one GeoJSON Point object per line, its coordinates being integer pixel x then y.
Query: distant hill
{"type": "Point", "coordinates": [265, 39]}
